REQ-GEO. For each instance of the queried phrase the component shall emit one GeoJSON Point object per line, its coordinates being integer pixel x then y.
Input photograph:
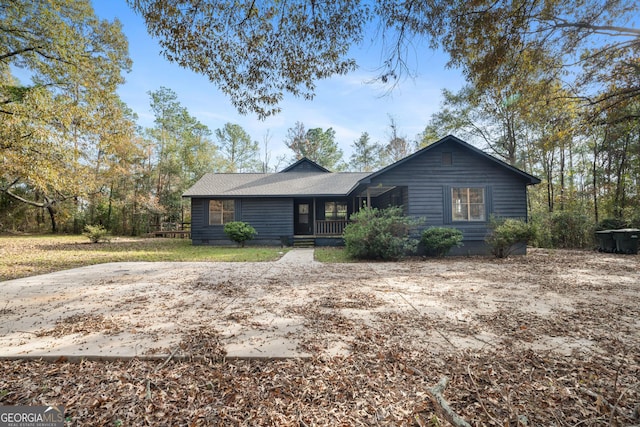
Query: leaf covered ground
{"type": "Point", "coordinates": [548, 339]}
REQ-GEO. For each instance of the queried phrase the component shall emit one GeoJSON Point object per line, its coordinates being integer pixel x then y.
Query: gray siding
{"type": "Point", "coordinates": [429, 183]}
{"type": "Point", "coordinates": [423, 186]}
{"type": "Point", "coordinates": [271, 218]}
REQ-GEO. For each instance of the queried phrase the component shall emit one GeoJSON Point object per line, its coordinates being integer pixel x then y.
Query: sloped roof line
{"type": "Point", "coordinates": [297, 183]}
{"type": "Point", "coordinates": [305, 160]}
{"type": "Point", "coordinates": [532, 179]}
{"type": "Point", "coordinates": [276, 184]}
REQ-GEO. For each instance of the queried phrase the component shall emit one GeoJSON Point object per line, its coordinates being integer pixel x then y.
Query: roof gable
{"type": "Point", "coordinates": [450, 139]}
{"type": "Point", "coordinates": [305, 165]}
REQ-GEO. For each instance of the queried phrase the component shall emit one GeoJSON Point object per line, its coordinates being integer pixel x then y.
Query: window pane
{"type": "Point", "coordinates": [215, 218]}
{"type": "Point", "coordinates": [467, 204]}
{"type": "Point", "coordinates": [215, 205]}
{"type": "Point", "coordinates": [215, 212]}
{"type": "Point", "coordinates": [458, 197]}
{"type": "Point", "coordinates": [460, 211]}
{"type": "Point", "coordinates": [228, 211]}
{"type": "Point", "coordinates": [476, 195]}
{"type": "Point", "coordinates": [227, 217]}
{"type": "Point", "coordinates": [229, 205]}
{"type": "Point", "coordinates": [221, 211]}
{"type": "Point", "coordinates": [329, 210]}
{"type": "Point", "coordinates": [342, 210]}
{"type": "Point", "coordinates": [476, 212]}
{"type": "Point", "coordinates": [459, 204]}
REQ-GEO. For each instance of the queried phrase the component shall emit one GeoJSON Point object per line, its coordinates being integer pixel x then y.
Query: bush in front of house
{"type": "Point", "coordinates": [438, 241]}
{"type": "Point", "coordinates": [239, 232]}
{"type": "Point", "coordinates": [505, 234]}
{"type": "Point", "coordinates": [96, 233]}
{"type": "Point", "coordinates": [380, 234]}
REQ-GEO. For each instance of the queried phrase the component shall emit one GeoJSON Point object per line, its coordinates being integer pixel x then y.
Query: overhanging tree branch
{"type": "Point", "coordinates": [611, 30]}
{"type": "Point", "coordinates": [18, 52]}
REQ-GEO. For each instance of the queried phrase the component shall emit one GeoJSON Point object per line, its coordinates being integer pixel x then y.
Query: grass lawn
{"type": "Point", "coordinates": [22, 256]}
{"type": "Point", "coordinates": [332, 255]}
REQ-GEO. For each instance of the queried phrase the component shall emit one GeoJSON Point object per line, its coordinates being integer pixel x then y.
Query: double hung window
{"type": "Point", "coordinates": [467, 204]}
{"type": "Point", "coordinates": [221, 211]}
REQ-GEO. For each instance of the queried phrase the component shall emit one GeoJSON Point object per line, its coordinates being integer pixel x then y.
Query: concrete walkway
{"type": "Point", "coordinates": [299, 256]}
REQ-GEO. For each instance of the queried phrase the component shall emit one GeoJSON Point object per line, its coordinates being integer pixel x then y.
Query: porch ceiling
{"type": "Point", "coordinates": [376, 191]}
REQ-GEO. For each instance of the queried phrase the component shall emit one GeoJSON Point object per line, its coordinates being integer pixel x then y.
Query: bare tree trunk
{"type": "Point", "coordinates": [619, 198]}
{"type": "Point", "coordinates": [562, 184]}
{"type": "Point", "coordinates": [594, 172]}
{"type": "Point", "coordinates": [52, 216]}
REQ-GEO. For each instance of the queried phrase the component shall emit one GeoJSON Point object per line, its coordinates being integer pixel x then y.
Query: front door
{"type": "Point", "coordinates": [303, 217]}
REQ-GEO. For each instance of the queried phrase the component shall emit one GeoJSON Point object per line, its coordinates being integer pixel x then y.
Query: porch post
{"type": "Point", "coordinates": [368, 198]}
{"type": "Point", "coordinates": [313, 226]}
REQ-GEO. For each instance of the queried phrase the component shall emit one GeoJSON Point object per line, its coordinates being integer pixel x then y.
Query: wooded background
{"type": "Point", "coordinates": [553, 88]}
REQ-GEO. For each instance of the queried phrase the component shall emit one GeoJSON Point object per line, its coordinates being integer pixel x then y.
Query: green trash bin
{"type": "Point", "coordinates": [606, 242]}
{"type": "Point", "coordinates": [626, 240]}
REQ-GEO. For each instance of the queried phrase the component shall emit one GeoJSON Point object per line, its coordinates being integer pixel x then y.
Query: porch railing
{"type": "Point", "coordinates": [330, 227]}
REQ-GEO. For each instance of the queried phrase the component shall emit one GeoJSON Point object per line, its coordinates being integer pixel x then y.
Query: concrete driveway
{"type": "Point", "coordinates": [297, 307]}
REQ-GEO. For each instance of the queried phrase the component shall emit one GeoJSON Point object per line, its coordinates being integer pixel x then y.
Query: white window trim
{"type": "Point", "coordinates": [222, 212]}
{"type": "Point", "coordinates": [455, 204]}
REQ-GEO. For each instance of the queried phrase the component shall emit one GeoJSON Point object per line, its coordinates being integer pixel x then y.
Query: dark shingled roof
{"type": "Point", "coordinates": [313, 180]}
{"type": "Point", "coordinates": [275, 184]}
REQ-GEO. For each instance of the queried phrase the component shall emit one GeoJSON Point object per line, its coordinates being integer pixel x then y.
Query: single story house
{"type": "Point", "coordinates": [450, 183]}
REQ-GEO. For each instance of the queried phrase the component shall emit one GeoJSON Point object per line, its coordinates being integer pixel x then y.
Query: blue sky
{"type": "Point", "coordinates": [348, 104]}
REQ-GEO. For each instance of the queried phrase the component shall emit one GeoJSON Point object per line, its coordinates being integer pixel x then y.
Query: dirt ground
{"type": "Point", "coordinates": [552, 338]}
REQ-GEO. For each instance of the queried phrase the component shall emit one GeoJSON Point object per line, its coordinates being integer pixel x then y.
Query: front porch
{"type": "Point", "coordinates": [325, 217]}
{"type": "Point", "coordinates": [332, 228]}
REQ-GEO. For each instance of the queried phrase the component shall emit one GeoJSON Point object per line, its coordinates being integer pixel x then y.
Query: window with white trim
{"type": "Point", "coordinates": [221, 211]}
{"type": "Point", "coordinates": [467, 204]}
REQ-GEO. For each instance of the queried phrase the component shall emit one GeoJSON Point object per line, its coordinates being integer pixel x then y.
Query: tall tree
{"type": "Point", "coordinates": [398, 146]}
{"type": "Point", "coordinates": [482, 118]}
{"type": "Point", "coordinates": [183, 151]}
{"type": "Point", "coordinates": [367, 155]}
{"type": "Point", "coordinates": [315, 144]}
{"type": "Point", "coordinates": [50, 126]}
{"type": "Point", "coordinates": [297, 141]}
{"type": "Point", "coordinates": [240, 152]}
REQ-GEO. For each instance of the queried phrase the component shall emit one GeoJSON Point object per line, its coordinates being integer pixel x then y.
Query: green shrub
{"type": "Point", "coordinates": [380, 234]}
{"type": "Point", "coordinates": [96, 233]}
{"type": "Point", "coordinates": [571, 230]}
{"type": "Point", "coordinates": [505, 234]}
{"type": "Point", "coordinates": [541, 225]}
{"type": "Point", "coordinates": [567, 229]}
{"type": "Point", "coordinates": [438, 241]}
{"type": "Point", "coordinates": [239, 232]}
